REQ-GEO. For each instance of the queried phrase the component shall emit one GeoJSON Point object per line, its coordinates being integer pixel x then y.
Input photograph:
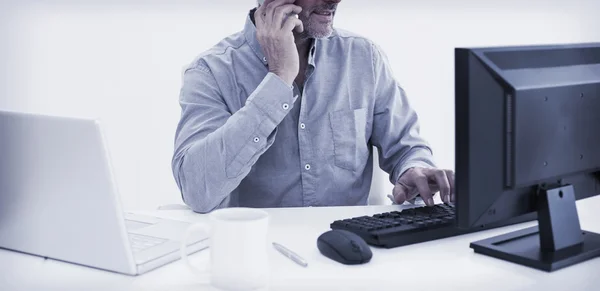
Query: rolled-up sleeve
{"type": "Point", "coordinates": [215, 148]}
{"type": "Point", "coordinates": [395, 124]}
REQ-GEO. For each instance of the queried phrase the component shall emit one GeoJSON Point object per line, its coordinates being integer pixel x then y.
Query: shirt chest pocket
{"type": "Point", "coordinates": [350, 147]}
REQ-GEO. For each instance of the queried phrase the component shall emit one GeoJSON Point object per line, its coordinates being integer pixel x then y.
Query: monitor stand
{"type": "Point", "coordinates": [556, 242]}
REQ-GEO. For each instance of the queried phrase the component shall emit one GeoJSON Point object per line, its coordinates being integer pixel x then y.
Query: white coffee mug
{"type": "Point", "coordinates": [238, 249]}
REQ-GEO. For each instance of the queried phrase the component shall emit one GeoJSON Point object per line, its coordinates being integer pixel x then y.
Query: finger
{"type": "Point", "coordinates": [283, 11]}
{"type": "Point", "coordinates": [293, 23]}
{"type": "Point", "coordinates": [424, 190]}
{"type": "Point", "coordinates": [400, 192]}
{"type": "Point", "coordinates": [261, 9]}
{"type": "Point", "coordinates": [270, 10]}
{"type": "Point", "coordinates": [259, 19]}
{"type": "Point", "coordinates": [265, 3]}
{"type": "Point", "coordinates": [443, 184]}
{"type": "Point", "coordinates": [433, 188]}
{"type": "Point", "coordinates": [450, 175]}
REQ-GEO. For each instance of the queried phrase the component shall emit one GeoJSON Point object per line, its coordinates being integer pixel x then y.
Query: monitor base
{"type": "Point", "coordinates": [556, 242]}
{"type": "Point", "coordinates": [523, 247]}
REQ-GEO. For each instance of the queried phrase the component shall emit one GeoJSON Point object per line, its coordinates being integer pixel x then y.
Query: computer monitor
{"type": "Point", "coordinates": [528, 142]}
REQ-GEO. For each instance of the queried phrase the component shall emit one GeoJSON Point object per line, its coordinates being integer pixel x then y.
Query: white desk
{"type": "Point", "coordinates": [448, 264]}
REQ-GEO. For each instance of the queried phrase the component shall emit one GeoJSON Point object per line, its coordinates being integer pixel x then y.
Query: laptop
{"type": "Point", "coordinates": [59, 200]}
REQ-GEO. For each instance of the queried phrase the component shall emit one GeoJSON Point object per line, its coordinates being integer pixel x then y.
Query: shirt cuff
{"type": "Point", "coordinates": [421, 158]}
{"type": "Point", "coordinates": [273, 97]}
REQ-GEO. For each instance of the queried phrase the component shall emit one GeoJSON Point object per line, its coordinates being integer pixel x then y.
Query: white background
{"type": "Point", "coordinates": [121, 61]}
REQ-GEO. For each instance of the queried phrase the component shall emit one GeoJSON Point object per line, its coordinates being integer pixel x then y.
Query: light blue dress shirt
{"type": "Point", "coordinates": [247, 139]}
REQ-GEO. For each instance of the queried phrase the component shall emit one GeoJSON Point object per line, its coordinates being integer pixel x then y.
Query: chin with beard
{"type": "Point", "coordinates": [317, 21]}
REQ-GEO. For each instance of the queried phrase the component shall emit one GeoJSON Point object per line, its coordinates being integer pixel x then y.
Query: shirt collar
{"type": "Point", "coordinates": [250, 34]}
{"type": "Point", "coordinates": [312, 52]}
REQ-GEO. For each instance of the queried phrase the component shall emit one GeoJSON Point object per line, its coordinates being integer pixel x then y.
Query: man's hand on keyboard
{"type": "Point", "coordinates": [425, 182]}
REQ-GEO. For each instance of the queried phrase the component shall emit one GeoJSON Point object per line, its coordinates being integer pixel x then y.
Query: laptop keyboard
{"type": "Point", "coordinates": [142, 242]}
{"type": "Point", "coordinates": [134, 225]}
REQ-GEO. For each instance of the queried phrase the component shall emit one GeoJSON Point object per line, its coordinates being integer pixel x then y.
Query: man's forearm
{"type": "Point", "coordinates": [208, 168]}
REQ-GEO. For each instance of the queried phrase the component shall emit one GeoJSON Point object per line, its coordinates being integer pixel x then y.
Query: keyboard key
{"type": "Point", "coordinates": [141, 242]}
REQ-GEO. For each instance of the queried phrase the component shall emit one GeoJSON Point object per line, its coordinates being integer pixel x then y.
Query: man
{"type": "Point", "coordinates": [285, 114]}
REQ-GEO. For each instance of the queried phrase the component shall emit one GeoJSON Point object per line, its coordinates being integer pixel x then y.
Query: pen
{"type": "Point", "coordinates": [288, 253]}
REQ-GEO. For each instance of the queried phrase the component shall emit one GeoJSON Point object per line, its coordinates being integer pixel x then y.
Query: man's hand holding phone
{"type": "Point", "coordinates": [274, 33]}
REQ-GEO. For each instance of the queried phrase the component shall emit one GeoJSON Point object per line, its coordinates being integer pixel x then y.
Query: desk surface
{"type": "Point", "coordinates": [447, 264]}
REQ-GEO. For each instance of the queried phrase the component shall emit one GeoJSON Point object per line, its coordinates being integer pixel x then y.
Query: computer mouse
{"type": "Point", "coordinates": [345, 247]}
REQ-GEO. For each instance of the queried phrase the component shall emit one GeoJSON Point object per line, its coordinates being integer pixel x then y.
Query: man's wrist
{"type": "Point", "coordinates": [286, 79]}
{"type": "Point", "coordinates": [402, 174]}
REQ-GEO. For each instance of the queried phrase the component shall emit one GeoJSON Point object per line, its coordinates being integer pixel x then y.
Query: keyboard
{"type": "Point", "coordinates": [400, 228]}
{"type": "Point", "coordinates": [142, 242]}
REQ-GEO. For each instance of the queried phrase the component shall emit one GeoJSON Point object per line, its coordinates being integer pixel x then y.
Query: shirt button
{"type": "Point", "coordinates": [307, 167]}
{"type": "Point", "coordinates": [256, 139]}
{"type": "Point", "coordinates": [264, 59]}
{"type": "Point", "coordinates": [302, 125]}
{"type": "Point", "coordinates": [285, 106]}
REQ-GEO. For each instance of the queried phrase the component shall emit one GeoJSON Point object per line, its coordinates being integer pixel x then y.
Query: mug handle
{"type": "Point", "coordinates": [203, 273]}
